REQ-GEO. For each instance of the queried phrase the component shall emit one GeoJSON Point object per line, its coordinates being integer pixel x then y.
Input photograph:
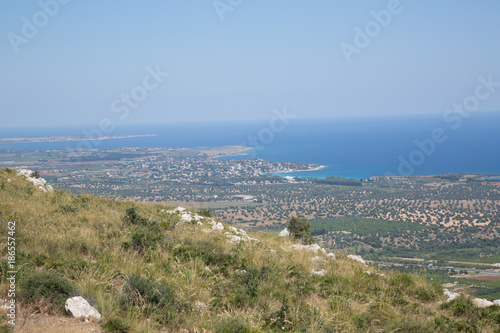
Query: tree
{"type": "Point", "coordinates": [301, 229]}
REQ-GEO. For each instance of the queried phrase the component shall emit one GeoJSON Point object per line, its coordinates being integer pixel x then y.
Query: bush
{"type": "Point", "coordinates": [249, 283]}
{"type": "Point", "coordinates": [146, 237]}
{"type": "Point", "coordinates": [205, 213]}
{"type": "Point", "coordinates": [132, 217]}
{"type": "Point", "coordinates": [141, 291]}
{"type": "Point", "coordinates": [116, 325]}
{"type": "Point", "coordinates": [211, 253]}
{"type": "Point", "coordinates": [232, 325]}
{"type": "Point", "coordinates": [301, 229]}
{"type": "Point", "coordinates": [401, 284]}
{"type": "Point", "coordinates": [48, 285]}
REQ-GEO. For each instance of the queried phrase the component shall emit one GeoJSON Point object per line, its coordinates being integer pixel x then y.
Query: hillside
{"type": "Point", "coordinates": [150, 268]}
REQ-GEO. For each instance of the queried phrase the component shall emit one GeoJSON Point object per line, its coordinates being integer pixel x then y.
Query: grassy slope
{"type": "Point", "coordinates": [85, 240]}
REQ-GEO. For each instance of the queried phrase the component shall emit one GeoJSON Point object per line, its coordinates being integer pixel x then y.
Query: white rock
{"type": "Point", "coordinates": [481, 302]}
{"type": "Point", "coordinates": [186, 217]}
{"type": "Point", "coordinates": [217, 226]}
{"type": "Point", "coordinates": [200, 305]}
{"type": "Point", "coordinates": [451, 295]}
{"type": "Point", "coordinates": [177, 210]}
{"type": "Point", "coordinates": [8, 180]}
{"type": "Point", "coordinates": [367, 272]}
{"type": "Point", "coordinates": [79, 307]}
{"type": "Point", "coordinates": [331, 255]}
{"type": "Point", "coordinates": [312, 247]}
{"type": "Point", "coordinates": [234, 238]}
{"type": "Point", "coordinates": [496, 302]}
{"type": "Point", "coordinates": [356, 258]}
{"type": "Point", "coordinates": [40, 183]}
{"type": "Point", "coordinates": [284, 233]}
{"type": "Point", "coordinates": [321, 272]}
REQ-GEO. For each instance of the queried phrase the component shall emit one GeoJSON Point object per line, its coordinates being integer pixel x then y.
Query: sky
{"type": "Point", "coordinates": [156, 61]}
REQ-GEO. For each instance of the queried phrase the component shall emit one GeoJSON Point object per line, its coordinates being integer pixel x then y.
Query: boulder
{"type": "Point", "coordinates": [496, 302]}
{"type": "Point", "coordinates": [80, 308]}
{"type": "Point", "coordinates": [331, 255]}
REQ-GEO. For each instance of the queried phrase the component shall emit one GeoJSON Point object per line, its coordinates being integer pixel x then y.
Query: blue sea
{"type": "Point", "coordinates": [356, 147]}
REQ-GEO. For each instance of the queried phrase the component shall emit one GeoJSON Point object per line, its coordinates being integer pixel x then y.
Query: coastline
{"type": "Point", "coordinates": [45, 139]}
{"type": "Point", "coordinates": [314, 169]}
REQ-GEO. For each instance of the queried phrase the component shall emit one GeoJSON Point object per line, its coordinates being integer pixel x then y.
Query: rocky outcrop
{"type": "Point", "coordinates": [451, 295]}
{"type": "Point", "coordinates": [311, 247]}
{"type": "Point", "coordinates": [482, 303]}
{"type": "Point", "coordinates": [357, 258]}
{"type": "Point", "coordinates": [32, 177]}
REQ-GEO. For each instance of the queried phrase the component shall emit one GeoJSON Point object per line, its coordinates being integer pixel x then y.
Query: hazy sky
{"type": "Point", "coordinates": [86, 60]}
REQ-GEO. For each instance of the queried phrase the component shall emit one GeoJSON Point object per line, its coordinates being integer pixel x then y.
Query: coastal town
{"type": "Point", "coordinates": [120, 170]}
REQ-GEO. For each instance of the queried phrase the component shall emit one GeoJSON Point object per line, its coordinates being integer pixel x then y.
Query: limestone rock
{"type": "Point", "coordinates": [321, 272]}
{"type": "Point", "coordinates": [312, 247]}
{"type": "Point", "coordinates": [451, 295]}
{"type": "Point", "coordinates": [217, 226]}
{"type": "Point", "coordinates": [39, 182]}
{"type": "Point", "coordinates": [482, 303]}
{"type": "Point", "coordinates": [284, 233]}
{"type": "Point", "coordinates": [357, 258]}
{"type": "Point", "coordinates": [80, 308]}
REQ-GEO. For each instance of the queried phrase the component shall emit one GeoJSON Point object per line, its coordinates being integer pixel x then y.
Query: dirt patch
{"type": "Point", "coordinates": [38, 323]}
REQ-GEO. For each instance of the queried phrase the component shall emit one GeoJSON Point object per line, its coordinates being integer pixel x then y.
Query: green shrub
{"type": "Point", "coordinates": [132, 217]}
{"type": "Point", "coordinates": [140, 291]}
{"type": "Point", "coordinates": [48, 285]}
{"type": "Point", "coordinates": [6, 329]}
{"type": "Point", "coordinates": [116, 325]}
{"type": "Point", "coordinates": [67, 209]}
{"type": "Point", "coordinates": [210, 252]}
{"type": "Point", "coordinates": [205, 213]}
{"type": "Point", "coordinates": [401, 284]}
{"type": "Point", "coordinates": [146, 237]}
{"type": "Point", "coordinates": [232, 325]}
{"type": "Point", "coordinates": [280, 322]}
{"type": "Point", "coordinates": [301, 229]}
{"type": "Point", "coordinates": [249, 283]}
